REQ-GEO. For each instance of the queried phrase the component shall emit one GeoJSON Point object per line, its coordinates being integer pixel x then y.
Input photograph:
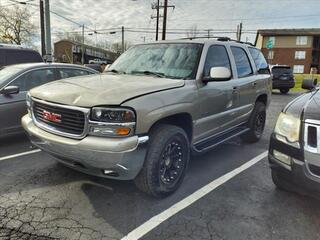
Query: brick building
{"type": "Point", "coordinates": [67, 51]}
{"type": "Point", "coordinates": [298, 48]}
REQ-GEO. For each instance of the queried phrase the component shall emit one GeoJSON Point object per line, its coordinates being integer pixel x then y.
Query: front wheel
{"type": "Point", "coordinates": [280, 183]}
{"type": "Point", "coordinates": [284, 90]}
{"type": "Point", "coordinates": [166, 161]}
{"type": "Point", "coordinates": [256, 123]}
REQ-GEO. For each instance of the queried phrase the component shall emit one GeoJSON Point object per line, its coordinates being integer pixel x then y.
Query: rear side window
{"type": "Point", "coordinates": [14, 56]}
{"type": "Point", "coordinates": [259, 60]}
{"type": "Point", "coordinates": [217, 57]}
{"type": "Point", "coordinates": [33, 79]}
{"type": "Point", "coordinates": [242, 62]}
{"type": "Point", "coordinates": [71, 72]}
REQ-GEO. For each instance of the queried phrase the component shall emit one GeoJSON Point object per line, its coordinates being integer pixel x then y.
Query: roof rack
{"type": "Point", "coordinates": [222, 39]}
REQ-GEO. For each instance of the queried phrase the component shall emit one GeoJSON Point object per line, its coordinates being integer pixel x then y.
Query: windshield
{"type": "Point", "coordinates": [281, 70]}
{"type": "Point", "coordinates": [162, 60]}
{"type": "Point", "coordinates": [6, 73]}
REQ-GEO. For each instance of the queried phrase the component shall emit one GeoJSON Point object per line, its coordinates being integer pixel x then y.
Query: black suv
{"type": "Point", "coordinates": [14, 54]}
{"type": "Point", "coordinates": [294, 153]}
{"type": "Point", "coordinates": [283, 78]}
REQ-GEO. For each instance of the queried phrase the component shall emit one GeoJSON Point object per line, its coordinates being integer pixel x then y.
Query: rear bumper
{"type": "Point", "coordinates": [117, 158]}
{"type": "Point", "coordinates": [276, 84]}
{"type": "Point", "coordinates": [298, 173]}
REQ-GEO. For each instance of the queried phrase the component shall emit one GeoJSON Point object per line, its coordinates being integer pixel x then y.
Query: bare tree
{"type": "Point", "coordinates": [193, 32]}
{"type": "Point", "coordinates": [16, 26]}
{"type": "Point", "coordinates": [117, 47]}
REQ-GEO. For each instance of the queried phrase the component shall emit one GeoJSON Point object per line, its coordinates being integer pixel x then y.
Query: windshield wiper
{"type": "Point", "coordinates": [158, 74]}
{"type": "Point", "coordinates": [116, 71]}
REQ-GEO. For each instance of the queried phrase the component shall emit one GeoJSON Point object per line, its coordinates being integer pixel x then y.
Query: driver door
{"type": "Point", "coordinates": [218, 99]}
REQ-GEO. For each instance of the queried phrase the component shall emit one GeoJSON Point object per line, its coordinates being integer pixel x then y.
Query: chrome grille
{"type": "Point", "coordinates": [312, 136]}
{"type": "Point", "coordinates": [71, 121]}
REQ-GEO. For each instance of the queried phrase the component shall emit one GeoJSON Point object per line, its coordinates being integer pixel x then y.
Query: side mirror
{"type": "Point", "coordinates": [309, 84]}
{"type": "Point", "coordinates": [10, 90]}
{"type": "Point", "coordinates": [218, 74]}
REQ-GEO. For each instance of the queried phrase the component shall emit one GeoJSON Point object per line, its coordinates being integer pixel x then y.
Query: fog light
{"type": "Point", "coordinates": [282, 157]}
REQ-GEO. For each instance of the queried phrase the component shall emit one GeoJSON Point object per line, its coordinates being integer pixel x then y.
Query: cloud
{"type": "Point", "coordinates": [205, 14]}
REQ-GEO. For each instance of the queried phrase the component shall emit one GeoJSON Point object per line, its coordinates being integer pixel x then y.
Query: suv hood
{"type": "Point", "coordinates": [308, 103]}
{"type": "Point", "coordinates": [103, 89]}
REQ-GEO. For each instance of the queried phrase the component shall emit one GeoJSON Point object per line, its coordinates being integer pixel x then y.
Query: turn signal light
{"type": "Point", "coordinates": [123, 131]}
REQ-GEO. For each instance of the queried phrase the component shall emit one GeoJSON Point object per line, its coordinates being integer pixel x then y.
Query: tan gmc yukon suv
{"type": "Point", "coordinates": [157, 104]}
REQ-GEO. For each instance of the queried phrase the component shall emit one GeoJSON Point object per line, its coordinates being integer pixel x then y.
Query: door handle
{"type": "Point", "coordinates": [254, 84]}
{"type": "Point", "coordinates": [235, 90]}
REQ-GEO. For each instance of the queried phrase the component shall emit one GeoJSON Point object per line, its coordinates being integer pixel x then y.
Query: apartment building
{"type": "Point", "coordinates": [298, 48]}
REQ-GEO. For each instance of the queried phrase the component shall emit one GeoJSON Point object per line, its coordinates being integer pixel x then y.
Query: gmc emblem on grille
{"type": "Point", "coordinates": [52, 117]}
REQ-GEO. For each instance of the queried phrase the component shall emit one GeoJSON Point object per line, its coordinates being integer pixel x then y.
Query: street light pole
{"type": "Point", "coordinates": [47, 31]}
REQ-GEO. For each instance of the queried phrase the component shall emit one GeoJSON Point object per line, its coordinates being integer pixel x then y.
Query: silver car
{"type": "Point", "coordinates": [17, 80]}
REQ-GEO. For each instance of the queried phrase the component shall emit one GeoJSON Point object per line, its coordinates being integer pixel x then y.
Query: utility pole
{"type": "Point", "coordinates": [209, 33]}
{"type": "Point", "coordinates": [47, 31]}
{"type": "Point", "coordinates": [122, 42]}
{"type": "Point", "coordinates": [158, 16]}
{"type": "Point", "coordinates": [82, 46]}
{"type": "Point", "coordinates": [239, 31]}
{"type": "Point", "coordinates": [165, 13]}
{"type": "Point", "coordinates": [43, 45]}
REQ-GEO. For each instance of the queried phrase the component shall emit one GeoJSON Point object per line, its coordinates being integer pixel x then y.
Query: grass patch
{"type": "Point", "coordinates": [299, 78]}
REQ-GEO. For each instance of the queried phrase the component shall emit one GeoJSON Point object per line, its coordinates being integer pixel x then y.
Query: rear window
{"type": "Point", "coordinates": [14, 56]}
{"type": "Point", "coordinates": [281, 70]}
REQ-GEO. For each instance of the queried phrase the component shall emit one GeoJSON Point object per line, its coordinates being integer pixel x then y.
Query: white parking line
{"type": "Point", "coordinates": [184, 203]}
{"type": "Point", "coordinates": [19, 154]}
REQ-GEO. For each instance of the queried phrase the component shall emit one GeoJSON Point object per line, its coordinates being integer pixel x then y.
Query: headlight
{"type": "Point", "coordinates": [111, 115]}
{"type": "Point", "coordinates": [288, 127]}
{"type": "Point", "coordinates": [113, 122]}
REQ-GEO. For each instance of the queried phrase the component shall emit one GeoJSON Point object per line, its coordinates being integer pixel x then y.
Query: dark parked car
{"type": "Point", "coordinates": [283, 78]}
{"type": "Point", "coordinates": [16, 80]}
{"type": "Point", "coordinates": [13, 54]}
{"type": "Point", "coordinates": [294, 153]}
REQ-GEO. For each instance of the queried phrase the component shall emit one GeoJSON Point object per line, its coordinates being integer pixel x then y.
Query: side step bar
{"type": "Point", "coordinates": [214, 141]}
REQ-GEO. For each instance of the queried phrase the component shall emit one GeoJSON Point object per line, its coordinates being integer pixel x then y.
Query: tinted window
{"type": "Point", "coordinates": [242, 62]}
{"type": "Point", "coordinates": [2, 59]}
{"type": "Point", "coordinates": [33, 79]}
{"type": "Point", "coordinates": [217, 57]}
{"type": "Point", "coordinates": [281, 70]}
{"type": "Point", "coordinates": [259, 59]}
{"type": "Point", "coordinates": [69, 72]}
{"type": "Point", "coordinates": [14, 56]}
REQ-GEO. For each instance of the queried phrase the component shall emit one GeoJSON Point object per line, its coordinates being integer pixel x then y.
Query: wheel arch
{"type": "Point", "coordinates": [183, 120]}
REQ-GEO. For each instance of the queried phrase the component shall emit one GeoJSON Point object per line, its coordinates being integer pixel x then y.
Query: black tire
{"type": "Point", "coordinates": [256, 123]}
{"type": "Point", "coordinates": [280, 182]}
{"type": "Point", "coordinates": [284, 90]}
{"type": "Point", "coordinates": [162, 161]}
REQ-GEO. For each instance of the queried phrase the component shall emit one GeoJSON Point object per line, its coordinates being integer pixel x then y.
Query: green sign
{"type": "Point", "coordinates": [269, 44]}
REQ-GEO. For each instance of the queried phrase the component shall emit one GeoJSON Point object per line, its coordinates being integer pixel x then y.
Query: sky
{"type": "Point", "coordinates": [220, 16]}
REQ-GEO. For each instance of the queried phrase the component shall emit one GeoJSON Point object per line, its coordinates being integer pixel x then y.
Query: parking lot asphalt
{"type": "Point", "coordinates": [41, 199]}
